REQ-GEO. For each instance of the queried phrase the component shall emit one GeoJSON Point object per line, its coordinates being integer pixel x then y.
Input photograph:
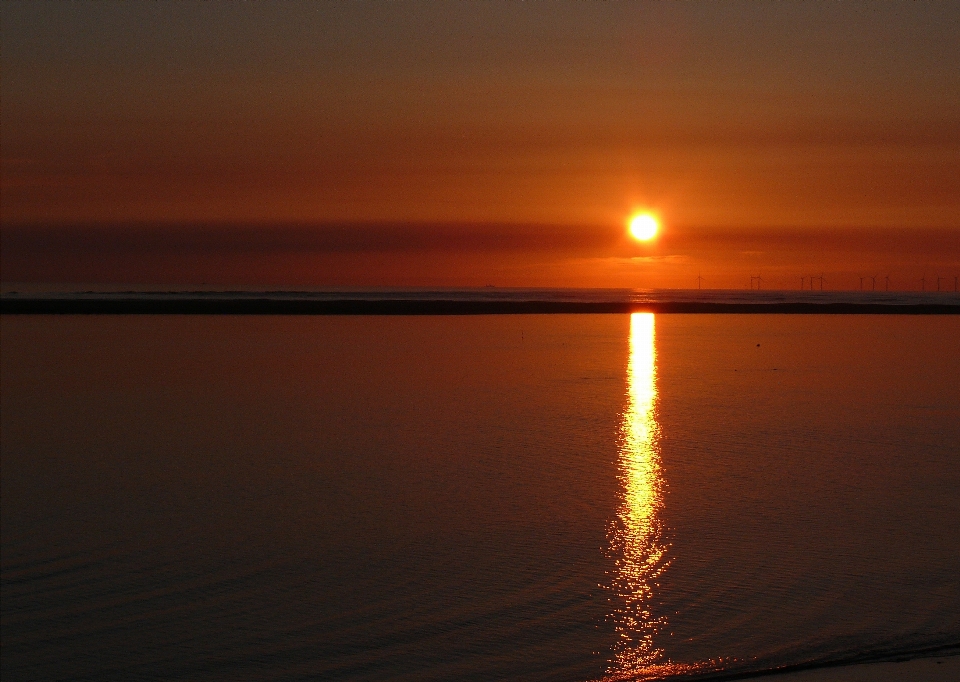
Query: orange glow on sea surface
{"type": "Point", "coordinates": [636, 536]}
{"type": "Point", "coordinates": [636, 539]}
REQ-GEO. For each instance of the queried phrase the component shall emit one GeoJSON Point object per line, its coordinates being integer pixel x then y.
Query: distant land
{"type": "Point", "coordinates": [479, 302]}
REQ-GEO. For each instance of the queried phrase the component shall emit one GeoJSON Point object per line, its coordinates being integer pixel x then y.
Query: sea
{"type": "Point", "coordinates": [563, 497]}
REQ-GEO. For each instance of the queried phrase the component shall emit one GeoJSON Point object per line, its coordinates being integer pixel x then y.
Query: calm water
{"type": "Point", "coordinates": [490, 497]}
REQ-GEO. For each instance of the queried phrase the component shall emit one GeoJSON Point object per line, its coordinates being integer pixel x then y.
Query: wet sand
{"type": "Point", "coordinates": [943, 669]}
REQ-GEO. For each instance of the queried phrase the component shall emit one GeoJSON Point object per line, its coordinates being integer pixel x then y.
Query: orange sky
{"type": "Point", "coordinates": [783, 138]}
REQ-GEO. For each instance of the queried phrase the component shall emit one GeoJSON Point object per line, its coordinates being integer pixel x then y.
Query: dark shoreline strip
{"type": "Point", "coordinates": [265, 306]}
{"type": "Point", "coordinates": [942, 651]}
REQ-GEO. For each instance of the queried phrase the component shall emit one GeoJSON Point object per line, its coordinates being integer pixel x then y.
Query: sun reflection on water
{"type": "Point", "coordinates": [636, 536]}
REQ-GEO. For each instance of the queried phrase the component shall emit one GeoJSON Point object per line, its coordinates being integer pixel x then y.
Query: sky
{"type": "Point", "coordinates": [465, 144]}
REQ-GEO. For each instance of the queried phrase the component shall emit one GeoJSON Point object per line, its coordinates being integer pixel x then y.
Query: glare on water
{"type": "Point", "coordinates": [636, 536]}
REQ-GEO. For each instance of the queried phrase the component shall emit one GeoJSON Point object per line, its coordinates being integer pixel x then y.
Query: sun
{"type": "Point", "coordinates": [644, 226]}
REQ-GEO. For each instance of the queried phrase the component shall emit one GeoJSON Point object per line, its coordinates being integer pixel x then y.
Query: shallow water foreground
{"type": "Point", "coordinates": [492, 497]}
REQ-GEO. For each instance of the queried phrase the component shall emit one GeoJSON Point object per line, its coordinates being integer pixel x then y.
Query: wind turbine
{"type": "Point", "coordinates": [861, 282]}
{"type": "Point", "coordinates": [801, 282]}
{"type": "Point", "coordinates": [923, 282]}
{"type": "Point", "coordinates": [887, 280]}
{"type": "Point", "coordinates": [699, 279]}
{"type": "Point", "coordinates": [873, 282]}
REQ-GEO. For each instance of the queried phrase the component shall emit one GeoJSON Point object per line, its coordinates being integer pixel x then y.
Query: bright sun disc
{"type": "Point", "coordinates": [643, 227]}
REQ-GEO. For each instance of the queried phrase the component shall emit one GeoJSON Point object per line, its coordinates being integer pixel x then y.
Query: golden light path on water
{"type": "Point", "coordinates": [635, 540]}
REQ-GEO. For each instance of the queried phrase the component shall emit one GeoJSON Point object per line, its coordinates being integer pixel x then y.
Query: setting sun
{"type": "Point", "coordinates": [644, 226]}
